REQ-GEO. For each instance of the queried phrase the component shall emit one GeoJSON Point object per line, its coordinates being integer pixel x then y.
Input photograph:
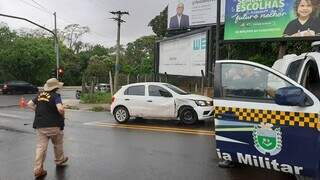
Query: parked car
{"type": "Point", "coordinates": [1, 86]}
{"type": "Point", "coordinates": [160, 101]}
{"type": "Point", "coordinates": [102, 87]}
{"type": "Point", "coordinates": [13, 87]}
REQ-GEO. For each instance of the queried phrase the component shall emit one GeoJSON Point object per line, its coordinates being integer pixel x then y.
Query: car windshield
{"type": "Point", "coordinates": [176, 89]}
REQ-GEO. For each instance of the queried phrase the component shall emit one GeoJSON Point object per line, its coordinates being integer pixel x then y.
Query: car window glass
{"type": "Point", "coordinates": [135, 90]}
{"type": "Point", "coordinates": [246, 81]}
{"type": "Point", "coordinates": [294, 69]}
{"type": "Point", "coordinates": [311, 79]}
{"type": "Point", "coordinates": [176, 89]}
{"type": "Point", "coordinates": [158, 91]}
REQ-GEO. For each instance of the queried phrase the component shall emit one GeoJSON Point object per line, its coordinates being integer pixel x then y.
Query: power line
{"type": "Point", "coordinates": [28, 3]}
{"type": "Point", "coordinates": [47, 11]}
{"type": "Point", "coordinates": [72, 22]}
{"type": "Point", "coordinates": [40, 5]}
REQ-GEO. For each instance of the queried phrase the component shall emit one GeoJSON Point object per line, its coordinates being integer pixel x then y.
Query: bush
{"type": "Point", "coordinates": [96, 98]}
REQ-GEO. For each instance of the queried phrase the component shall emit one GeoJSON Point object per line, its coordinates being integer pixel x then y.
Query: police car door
{"type": "Point", "coordinates": [254, 129]}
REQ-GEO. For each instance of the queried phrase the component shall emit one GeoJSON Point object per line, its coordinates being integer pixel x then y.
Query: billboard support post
{"type": "Point", "coordinates": [282, 49]}
{"type": "Point", "coordinates": [156, 62]}
{"type": "Point", "coordinates": [218, 30]}
{"type": "Point", "coordinates": [202, 82]}
{"type": "Point", "coordinates": [210, 56]}
{"type": "Point", "coordinates": [217, 54]}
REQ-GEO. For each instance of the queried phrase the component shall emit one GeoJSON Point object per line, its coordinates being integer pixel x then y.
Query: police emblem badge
{"type": "Point", "coordinates": [267, 139]}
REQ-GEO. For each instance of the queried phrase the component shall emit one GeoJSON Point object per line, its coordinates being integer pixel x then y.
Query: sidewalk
{"type": "Point", "coordinates": [76, 105]}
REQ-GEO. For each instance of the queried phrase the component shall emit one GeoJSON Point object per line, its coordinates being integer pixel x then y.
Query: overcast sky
{"type": "Point", "coordinates": [92, 13]}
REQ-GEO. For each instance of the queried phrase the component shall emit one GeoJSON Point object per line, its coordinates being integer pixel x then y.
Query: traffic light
{"type": "Point", "coordinates": [60, 71]}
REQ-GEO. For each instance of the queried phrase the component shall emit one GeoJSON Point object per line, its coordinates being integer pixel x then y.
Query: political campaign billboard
{"type": "Point", "coordinates": [184, 56]}
{"type": "Point", "coordinates": [188, 13]}
{"type": "Point", "coordinates": [260, 19]}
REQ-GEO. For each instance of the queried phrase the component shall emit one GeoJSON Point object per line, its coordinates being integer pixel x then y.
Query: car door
{"type": "Point", "coordinates": [135, 100]}
{"type": "Point", "coordinates": [251, 128]}
{"type": "Point", "coordinates": [159, 103]}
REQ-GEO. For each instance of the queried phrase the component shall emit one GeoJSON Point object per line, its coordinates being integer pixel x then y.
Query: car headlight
{"type": "Point", "coordinates": [201, 103]}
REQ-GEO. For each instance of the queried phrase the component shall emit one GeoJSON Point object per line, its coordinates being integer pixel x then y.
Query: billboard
{"type": "Point", "coordinates": [259, 19]}
{"type": "Point", "coordinates": [187, 13]}
{"type": "Point", "coordinates": [184, 56]}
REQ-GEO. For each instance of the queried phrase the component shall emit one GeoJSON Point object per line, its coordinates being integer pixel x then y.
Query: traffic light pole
{"type": "Point", "coordinates": [56, 43]}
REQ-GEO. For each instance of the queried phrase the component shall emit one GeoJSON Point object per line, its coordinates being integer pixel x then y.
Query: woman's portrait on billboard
{"type": "Point", "coordinates": [307, 22]}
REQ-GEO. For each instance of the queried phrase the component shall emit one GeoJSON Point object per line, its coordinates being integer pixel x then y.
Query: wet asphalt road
{"type": "Point", "coordinates": [99, 149]}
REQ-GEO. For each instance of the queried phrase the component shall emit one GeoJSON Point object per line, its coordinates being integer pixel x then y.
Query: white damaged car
{"type": "Point", "coordinates": [154, 100]}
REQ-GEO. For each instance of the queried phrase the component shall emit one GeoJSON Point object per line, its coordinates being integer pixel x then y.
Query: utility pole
{"type": "Point", "coordinates": [118, 14]}
{"type": "Point", "coordinates": [56, 43]}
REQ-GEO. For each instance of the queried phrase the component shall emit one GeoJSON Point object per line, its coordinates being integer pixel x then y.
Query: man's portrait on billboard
{"type": "Point", "coordinates": [179, 20]}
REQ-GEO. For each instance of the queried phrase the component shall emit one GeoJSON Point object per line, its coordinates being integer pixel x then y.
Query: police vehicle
{"type": "Point", "coordinates": [269, 117]}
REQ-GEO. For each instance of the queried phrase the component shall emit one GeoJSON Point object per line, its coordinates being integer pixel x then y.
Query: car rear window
{"type": "Point", "coordinates": [135, 90]}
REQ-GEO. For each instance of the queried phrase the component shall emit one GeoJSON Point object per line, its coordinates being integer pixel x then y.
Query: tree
{"type": "Point", "coordinates": [72, 34]}
{"type": "Point", "coordinates": [159, 23]}
{"type": "Point", "coordinates": [28, 58]}
{"type": "Point", "coordinates": [34, 32]}
{"type": "Point", "coordinates": [98, 69]}
{"type": "Point", "coordinates": [139, 56]}
{"type": "Point", "coordinates": [71, 65]}
{"type": "Point", "coordinates": [99, 66]}
{"type": "Point", "coordinates": [85, 56]}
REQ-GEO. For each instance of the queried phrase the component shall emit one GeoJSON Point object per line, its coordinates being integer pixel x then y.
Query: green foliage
{"type": "Point", "coordinates": [261, 52]}
{"type": "Point", "coordinates": [30, 56]}
{"type": "Point", "coordinates": [139, 56]}
{"type": "Point", "coordinates": [99, 66]}
{"type": "Point", "coordinates": [86, 55]}
{"type": "Point", "coordinates": [159, 23]}
{"type": "Point", "coordinates": [25, 58]}
{"type": "Point", "coordinates": [96, 98]}
{"type": "Point", "coordinates": [72, 67]}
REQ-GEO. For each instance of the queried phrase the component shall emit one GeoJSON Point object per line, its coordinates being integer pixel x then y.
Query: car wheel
{"type": "Point", "coordinates": [188, 116]}
{"type": "Point", "coordinates": [121, 114]}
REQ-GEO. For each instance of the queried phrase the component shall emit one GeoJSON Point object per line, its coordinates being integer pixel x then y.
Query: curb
{"type": "Point", "coordinates": [9, 106]}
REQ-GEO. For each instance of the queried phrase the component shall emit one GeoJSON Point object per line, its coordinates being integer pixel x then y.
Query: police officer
{"type": "Point", "coordinates": [49, 124]}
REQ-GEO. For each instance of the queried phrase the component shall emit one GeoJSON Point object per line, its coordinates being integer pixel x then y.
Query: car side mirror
{"type": "Point", "coordinates": [291, 96]}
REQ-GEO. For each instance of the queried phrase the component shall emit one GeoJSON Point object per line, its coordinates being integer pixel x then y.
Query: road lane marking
{"type": "Point", "coordinates": [152, 128]}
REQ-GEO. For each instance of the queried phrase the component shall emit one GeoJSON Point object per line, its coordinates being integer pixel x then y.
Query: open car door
{"type": "Point", "coordinates": [265, 119]}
